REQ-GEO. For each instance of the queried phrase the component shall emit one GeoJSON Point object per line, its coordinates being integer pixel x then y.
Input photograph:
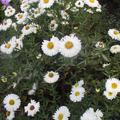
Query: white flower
{"type": "Point", "coordinates": [62, 113]}
{"type": "Point", "coordinates": [92, 3]}
{"type": "Point", "coordinates": [36, 12]}
{"type": "Point", "coordinates": [10, 11]}
{"type": "Point", "coordinates": [8, 47]}
{"type": "Point", "coordinates": [79, 3]}
{"type": "Point", "coordinates": [65, 15]}
{"type": "Point", "coordinates": [51, 47]}
{"type": "Point", "coordinates": [113, 85]}
{"type": "Point", "coordinates": [32, 108]}
{"type": "Point", "coordinates": [110, 95]}
{"type": "Point", "coordinates": [29, 28]}
{"type": "Point", "coordinates": [11, 102]}
{"type": "Point", "coordinates": [114, 34]}
{"type": "Point", "coordinates": [21, 18]}
{"type": "Point", "coordinates": [99, 44]}
{"type": "Point", "coordinates": [51, 77]}
{"type": "Point", "coordinates": [10, 115]}
{"type": "Point", "coordinates": [70, 46]}
{"type": "Point", "coordinates": [5, 24]}
{"type": "Point", "coordinates": [115, 49]}
{"type": "Point", "coordinates": [90, 114]}
{"type": "Point", "coordinates": [53, 25]}
{"type": "Point", "coordinates": [25, 7]}
{"type": "Point", "coordinates": [46, 3]}
{"type": "Point", "coordinates": [77, 94]}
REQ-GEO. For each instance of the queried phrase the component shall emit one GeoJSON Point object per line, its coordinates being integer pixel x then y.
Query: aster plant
{"type": "Point", "coordinates": [59, 60]}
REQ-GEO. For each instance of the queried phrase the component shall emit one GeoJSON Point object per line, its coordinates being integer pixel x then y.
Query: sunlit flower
{"type": "Point", "coordinates": [32, 108]}
{"type": "Point", "coordinates": [11, 102]}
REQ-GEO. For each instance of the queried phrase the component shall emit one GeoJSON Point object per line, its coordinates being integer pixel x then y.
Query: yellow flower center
{"type": "Point", "coordinates": [46, 1]}
{"type": "Point", "coordinates": [77, 93]}
{"type": "Point", "coordinates": [20, 16]}
{"type": "Point", "coordinates": [114, 85]}
{"type": "Point", "coordinates": [69, 45]}
{"type": "Point", "coordinates": [11, 102]}
{"type": "Point", "coordinates": [51, 75]}
{"type": "Point", "coordinates": [7, 45]}
{"type": "Point", "coordinates": [27, 27]}
{"type": "Point", "coordinates": [92, 1]}
{"type": "Point", "coordinates": [110, 93]}
{"type": "Point", "coordinates": [116, 32]}
{"type": "Point", "coordinates": [50, 45]}
{"type": "Point", "coordinates": [60, 117]}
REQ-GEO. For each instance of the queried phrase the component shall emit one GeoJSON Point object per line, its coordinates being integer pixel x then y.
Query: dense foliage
{"type": "Point", "coordinates": [24, 68]}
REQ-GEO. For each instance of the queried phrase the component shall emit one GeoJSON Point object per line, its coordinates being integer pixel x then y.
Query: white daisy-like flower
{"type": "Point", "coordinates": [113, 85]}
{"type": "Point", "coordinates": [51, 77]}
{"type": "Point", "coordinates": [36, 12]}
{"type": "Point", "coordinates": [90, 114]}
{"type": "Point", "coordinates": [77, 94]}
{"type": "Point", "coordinates": [115, 49]}
{"type": "Point", "coordinates": [53, 25]}
{"type": "Point", "coordinates": [11, 102]}
{"type": "Point", "coordinates": [46, 3]}
{"type": "Point", "coordinates": [10, 115]}
{"type": "Point", "coordinates": [70, 46]}
{"type": "Point", "coordinates": [32, 108]}
{"type": "Point", "coordinates": [21, 17]}
{"type": "Point", "coordinates": [24, 7]}
{"type": "Point", "coordinates": [62, 113]}
{"type": "Point", "coordinates": [10, 11]}
{"type": "Point", "coordinates": [92, 3]}
{"type": "Point", "coordinates": [8, 47]}
{"type": "Point", "coordinates": [51, 48]}
{"type": "Point", "coordinates": [5, 24]}
{"type": "Point", "coordinates": [114, 34]}
{"type": "Point", "coordinates": [110, 95]}
{"type": "Point", "coordinates": [29, 28]}
{"type": "Point", "coordinates": [79, 3]}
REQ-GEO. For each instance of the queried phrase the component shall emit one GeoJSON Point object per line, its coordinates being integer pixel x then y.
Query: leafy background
{"type": "Point", "coordinates": [87, 65]}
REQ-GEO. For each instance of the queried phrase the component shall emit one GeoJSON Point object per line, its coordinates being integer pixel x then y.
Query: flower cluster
{"type": "Point", "coordinates": [91, 115]}
{"type": "Point", "coordinates": [77, 92]}
{"type": "Point", "coordinates": [112, 88]}
{"type": "Point", "coordinates": [54, 42]}
{"type": "Point", "coordinates": [89, 5]}
{"type": "Point", "coordinates": [12, 103]}
{"type": "Point", "coordinates": [68, 46]}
